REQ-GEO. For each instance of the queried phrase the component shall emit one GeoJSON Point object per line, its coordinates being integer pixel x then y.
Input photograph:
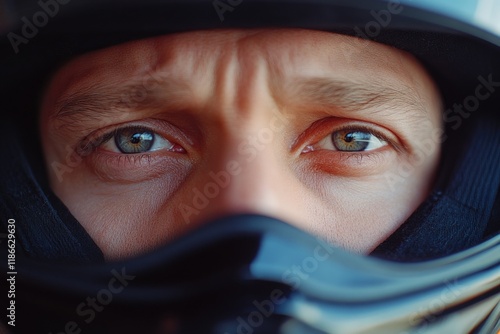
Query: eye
{"type": "Point", "coordinates": [133, 140]}
{"type": "Point", "coordinates": [351, 140]}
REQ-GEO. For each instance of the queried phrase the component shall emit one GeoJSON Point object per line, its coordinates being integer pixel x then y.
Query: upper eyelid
{"type": "Point", "coordinates": [363, 151]}
{"type": "Point", "coordinates": [394, 144]}
{"type": "Point", "coordinates": [163, 129]}
{"type": "Point", "coordinates": [362, 128]}
{"type": "Point", "coordinates": [90, 143]}
{"type": "Point", "coordinates": [96, 141]}
{"type": "Point", "coordinates": [93, 141]}
{"type": "Point", "coordinates": [324, 127]}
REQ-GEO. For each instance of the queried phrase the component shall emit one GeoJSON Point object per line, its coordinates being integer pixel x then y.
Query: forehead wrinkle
{"type": "Point", "coordinates": [98, 102]}
{"type": "Point", "coordinates": [354, 96]}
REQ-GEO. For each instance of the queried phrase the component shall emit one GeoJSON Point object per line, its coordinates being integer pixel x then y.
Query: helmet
{"type": "Point", "coordinates": [439, 272]}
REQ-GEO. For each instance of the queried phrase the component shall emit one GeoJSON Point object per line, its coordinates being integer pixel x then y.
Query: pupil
{"type": "Point", "coordinates": [353, 141]}
{"type": "Point", "coordinates": [130, 141]}
{"type": "Point", "coordinates": [349, 137]}
{"type": "Point", "coordinates": [136, 138]}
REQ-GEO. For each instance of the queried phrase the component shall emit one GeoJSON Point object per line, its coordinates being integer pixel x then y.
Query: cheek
{"type": "Point", "coordinates": [356, 213]}
{"type": "Point", "coordinates": [359, 213]}
{"type": "Point", "coordinates": [123, 219]}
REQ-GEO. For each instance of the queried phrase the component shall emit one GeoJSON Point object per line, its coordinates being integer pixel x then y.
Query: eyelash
{"type": "Point", "coordinates": [355, 163]}
{"type": "Point", "coordinates": [94, 142]}
{"type": "Point", "coordinates": [340, 159]}
{"type": "Point", "coordinates": [355, 127]}
{"type": "Point", "coordinates": [90, 145]}
{"type": "Point", "coordinates": [362, 128]}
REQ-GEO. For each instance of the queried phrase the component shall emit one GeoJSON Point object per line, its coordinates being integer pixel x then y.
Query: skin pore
{"type": "Point", "coordinates": [147, 140]}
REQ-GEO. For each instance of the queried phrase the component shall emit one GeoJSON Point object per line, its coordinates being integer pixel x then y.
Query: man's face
{"type": "Point", "coordinates": [147, 140]}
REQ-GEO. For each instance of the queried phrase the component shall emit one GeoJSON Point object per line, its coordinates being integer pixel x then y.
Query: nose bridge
{"type": "Point", "coordinates": [246, 160]}
{"type": "Point", "coordinates": [253, 171]}
{"type": "Point", "coordinates": [247, 157]}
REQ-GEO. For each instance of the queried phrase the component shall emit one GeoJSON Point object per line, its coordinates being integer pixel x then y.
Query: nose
{"type": "Point", "coordinates": [247, 165]}
{"type": "Point", "coordinates": [248, 173]}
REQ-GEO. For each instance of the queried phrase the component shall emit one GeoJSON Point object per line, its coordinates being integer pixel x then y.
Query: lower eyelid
{"type": "Point", "coordinates": [120, 160]}
{"type": "Point", "coordinates": [133, 168]}
{"type": "Point", "coordinates": [352, 164]}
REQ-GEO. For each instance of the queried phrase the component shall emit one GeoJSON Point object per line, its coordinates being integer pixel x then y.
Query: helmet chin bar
{"type": "Point", "coordinates": [254, 274]}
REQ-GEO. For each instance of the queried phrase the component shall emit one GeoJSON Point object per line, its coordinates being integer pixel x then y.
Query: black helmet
{"type": "Point", "coordinates": [56, 277]}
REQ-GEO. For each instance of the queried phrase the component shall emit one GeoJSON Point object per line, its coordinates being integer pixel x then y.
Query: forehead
{"type": "Point", "coordinates": [286, 53]}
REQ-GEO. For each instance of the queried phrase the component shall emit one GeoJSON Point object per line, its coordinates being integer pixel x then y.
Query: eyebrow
{"type": "Point", "coordinates": [101, 101]}
{"type": "Point", "coordinates": [97, 102]}
{"type": "Point", "coordinates": [353, 96]}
